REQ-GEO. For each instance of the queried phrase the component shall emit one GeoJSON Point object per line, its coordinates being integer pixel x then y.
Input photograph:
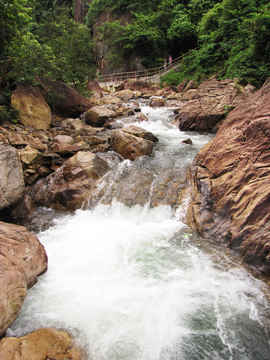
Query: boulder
{"type": "Point", "coordinates": [94, 87]}
{"type": "Point", "coordinates": [138, 85]}
{"type": "Point", "coordinates": [34, 111]}
{"type": "Point", "coordinates": [110, 100]}
{"type": "Point", "coordinates": [64, 100]}
{"type": "Point", "coordinates": [230, 182]}
{"type": "Point", "coordinates": [72, 124]}
{"type": "Point", "coordinates": [157, 102]}
{"type": "Point", "coordinates": [140, 132]}
{"type": "Point", "coordinates": [41, 344]}
{"type": "Point", "coordinates": [63, 139]}
{"type": "Point", "coordinates": [182, 85]}
{"type": "Point", "coordinates": [70, 186]}
{"type": "Point", "coordinates": [22, 259]}
{"type": "Point", "coordinates": [214, 99]}
{"type": "Point", "coordinates": [124, 95]}
{"type": "Point", "coordinates": [11, 176]}
{"type": "Point", "coordinates": [130, 146]}
{"type": "Point", "coordinates": [98, 115]}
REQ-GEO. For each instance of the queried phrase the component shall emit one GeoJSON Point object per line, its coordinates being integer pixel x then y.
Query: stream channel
{"type": "Point", "coordinates": [131, 282]}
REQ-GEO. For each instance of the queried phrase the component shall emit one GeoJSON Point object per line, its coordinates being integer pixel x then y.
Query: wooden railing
{"type": "Point", "coordinates": [147, 73]}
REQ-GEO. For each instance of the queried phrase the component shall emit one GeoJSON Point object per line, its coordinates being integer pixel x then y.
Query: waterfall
{"type": "Point", "coordinates": [130, 281]}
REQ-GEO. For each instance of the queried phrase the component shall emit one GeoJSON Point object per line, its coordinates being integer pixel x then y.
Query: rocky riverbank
{"type": "Point", "coordinates": [56, 160]}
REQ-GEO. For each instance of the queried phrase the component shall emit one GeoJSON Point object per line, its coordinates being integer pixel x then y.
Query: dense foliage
{"type": "Point", "coordinates": [231, 36]}
{"type": "Point", "coordinates": [42, 40]}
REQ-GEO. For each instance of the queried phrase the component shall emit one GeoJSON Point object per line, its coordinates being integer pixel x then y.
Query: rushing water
{"type": "Point", "coordinates": [132, 282]}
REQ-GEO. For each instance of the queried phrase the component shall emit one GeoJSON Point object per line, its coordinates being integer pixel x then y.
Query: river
{"type": "Point", "coordinates": [131, 282]}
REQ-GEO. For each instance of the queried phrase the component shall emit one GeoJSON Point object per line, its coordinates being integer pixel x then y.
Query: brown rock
{"type": "Point", "coordinates": [25, 207]}
{"type": "Point", "coordinates": [214, 100]}
{"type": "Point", "coordinates": [34, 111]}
{"type": "Point", "coordinates": [11, 176]}
{"type": "Point", "coordinates": [22, 259]}
{"type": "Point", "coordinates": [141, 117]}
{"type": "Point", "coordinates": [70, 186]}
{"type": "Point", "coordinates": [67, 102]}
{"type": "Point", "coordinates": [157, 102]}
{"type": "Point", "coordinates": [73, 124]}
{"type": "Point", "coordinates": [230, 182]}
{"type": "Point", "coordinates": [140, 132]}
{"type": "Point", "coordinates": [39, 345]}
{"type": "Point", "coordinates": [182, 85]}
{"type": "Point", "coordinates": [138, 85]}
{"type": "Point", "coordinates": [130, 146]}
{"type": "Point", "coordinates": [94, 87]}
{"type": "Point", "coordinates": [98, 115]}
{"type": "Point", "coordinates": [124, 94]}
{"type": "Point", "coordinates": [63, 139]}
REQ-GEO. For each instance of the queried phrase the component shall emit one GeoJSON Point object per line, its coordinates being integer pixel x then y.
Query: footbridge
{"type": "Point", "coordinates": [154, 75]}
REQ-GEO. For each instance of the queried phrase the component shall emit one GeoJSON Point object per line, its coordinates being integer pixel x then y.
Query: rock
{"type": "Point", "coordinates": [34, 111]}
{"type": "Point", "coordinates": [39, 345]}
{"type": "Point", "coordinates": [11, 176]}
{"type": "Point", "coordinates": [110, 100]}
{"type": "Point", "coordinates": [63, 139]}
{"type": "Point", "coordinates": [66, 102]}
{"type": "Point", "coordinates": [141, 117]}
{"type": "Point", "coordinates": [72, 124]}
{"type": "Point", "coordinates": [138, 85]}
{"type": "Point", "coordinates": [230, 182]}
{"type": "Point", "coordinates": [98, 115]}
{"type": "Point", "coordinates": [214, 100]}
{"type": "Point", "coordinates": [157, 102]}
{"type": "Point", "coordinates": [70, 186]}
{"type": "Point", "coordinates": [191, 85]}
{"type": "Point", "coordinates": [16, 140]}
{"type": "Point", "coordinates": [94, 87]}
{"type": "Point", "coordinates": [140, 132]}
{"type": "Point", "coordinates": [182, 85]}
{"type": "Point", "coordinates": [25, 207]}
{"type": "Point", "coordinates": [88, 130]}
{"type": "Point", "coordinates": [125, 94]}
{"type": "Point", "coordinates": [130, 146]}
{"type": "Point", "coordinates": [22, 259]}
{"type": "Point", "coordinates": [187, 141]}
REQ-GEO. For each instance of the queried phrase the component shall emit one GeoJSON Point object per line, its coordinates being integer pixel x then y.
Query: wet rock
{"type": "Point", "coordinates": [130, 146]}
{"type": "Point", "coordinates": [34, 111]}
{"type": "Point", "coordinates": [187, 141]}
{"type": "Point", "coordinates": [22, 259]}
{"type": "Point", "coordinates": [98, 115]}
{"type": "Point", "coordinates": [140, 132]}
{"type": "Point", "coordinates": [11, 176]}
{"type": "Point", "coordinates": [230, 182]}
{"type": "Point", "coordinates": [70, 186]}
{"type": "Point", "coordinates": [142, 117]}
{"type": "Point", "coordinates": [41, 344]}
{"type": "Point", "coordinates": [157, 102]}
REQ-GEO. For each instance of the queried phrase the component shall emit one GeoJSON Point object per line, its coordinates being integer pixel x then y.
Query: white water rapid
{"type": "Point", "coordinates": [133, 283]}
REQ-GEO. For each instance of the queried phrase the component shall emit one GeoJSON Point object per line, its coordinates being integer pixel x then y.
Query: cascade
{"type": "Point", "coordinates": [130, 280]}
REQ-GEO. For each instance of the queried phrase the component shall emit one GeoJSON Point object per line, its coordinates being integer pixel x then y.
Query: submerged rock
{"type": "Point", "coordinates": [22, 259]}
{"type": "Point", "coordinates": [230, 182]}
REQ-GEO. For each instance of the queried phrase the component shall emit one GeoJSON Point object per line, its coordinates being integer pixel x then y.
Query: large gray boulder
{"type": "Point", "coordinates": [11, 176]}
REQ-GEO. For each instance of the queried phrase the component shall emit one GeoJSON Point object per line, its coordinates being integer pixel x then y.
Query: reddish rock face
{"type": "Point", "coordinates": [230, 179]}
{"type": "Point", "coordinates": [67, 101]}
{"type": "Point", "coordinates": [211, 103]}
{"type": "Point", "coordinates": [22, 259]}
